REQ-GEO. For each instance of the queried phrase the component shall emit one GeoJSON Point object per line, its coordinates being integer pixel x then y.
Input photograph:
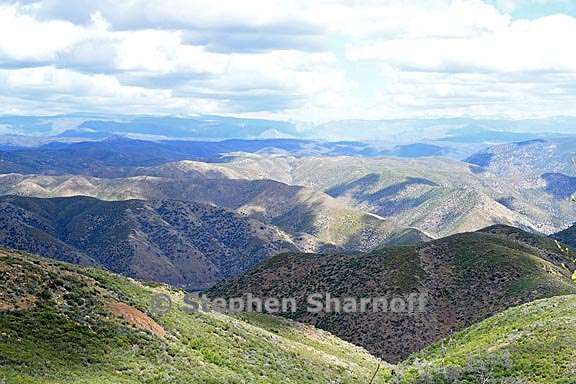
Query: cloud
{"type": "Point", "coordinates": [221, 25]}
{"type": "Point", "coordinates": [24, 39]}
{"type": "Point", "coordinates": [318, 60]}
{"type": "Point", "coordinates": [538, 45]}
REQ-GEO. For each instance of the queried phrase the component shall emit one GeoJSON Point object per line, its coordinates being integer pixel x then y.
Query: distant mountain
{"type": "Point", "coordinates": [64, 324]}
{"type": "Point", "coordinates": [417, 150]}
{"type": "Point", "coordinates": [529, 159]}
{"type": "Point", "coordinates": [210, 127]}
{"type": "Point", "coordinates": [455, 130]}
{"type": "Point", "coordinates": [198, 127]}
{"type": "Point", "coordinates": [539, 173]}
{"type": "Point", "coordinates": [84, 133]}
{"type": "Point", "coordinates": [113, 156]}
{"type": "Point", "coordinates": [184, 244]}
{"type": "Point", "coordinates": [479, 134]}
{"type": "Point", "coordinates": [466, 278]}
{"type": "Point", "coordinates": [8, 147]}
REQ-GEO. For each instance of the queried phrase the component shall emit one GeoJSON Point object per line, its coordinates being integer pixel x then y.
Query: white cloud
{"type": "Point", "coordinates": [320, 60]}
{"type": "Point", "coordinates": [25, 39]}
{"type": "Point", "coordinates": [538, 45]}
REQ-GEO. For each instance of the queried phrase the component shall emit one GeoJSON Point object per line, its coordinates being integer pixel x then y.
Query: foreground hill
{"type": "Point", "coordinates": [185, 244]}
{"type": "Point", "coordinates": [309, 216]}
{"type": "Point", "coordinates": [532, 343]}
{"type": "Point", "coordinates": [466, 278]}
{"type": "Point", "coordinates": [65, 324]}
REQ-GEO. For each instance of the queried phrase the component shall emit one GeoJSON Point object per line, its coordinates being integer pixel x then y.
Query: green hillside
{"type": "Point", "coordinates": [532, 343]}
{"type": "Point", "coordinates": [61, 324]}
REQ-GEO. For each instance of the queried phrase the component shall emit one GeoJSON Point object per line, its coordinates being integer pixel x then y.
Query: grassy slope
{"type": "Point", "coordinates": [68, 335]}
{"type": "Point", "coordinates": [56, 326]}
{"type": "Point", "coordinates": [532, 343]}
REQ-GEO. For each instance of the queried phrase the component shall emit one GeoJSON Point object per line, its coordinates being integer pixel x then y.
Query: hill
{"type": "Point", "coordinates": [66, 324]}
{"type": "Point", "coordinates": [309, 216]}
{"type": "Point", "coordinates": [532, 343]}
{"type": "Point", "coordinates": [567, 236]}
{"type": "Point", "coordinates": [437, 196]}
{"type": "Point", "coordinates": [184, 244]}
{"type": "Point", "coordinates": [466, 278]}
{"type": "Point", "coordinates": [523, 184]}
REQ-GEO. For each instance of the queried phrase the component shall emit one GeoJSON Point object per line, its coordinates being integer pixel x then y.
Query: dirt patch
{"type": "Point", "coordinates": [26, 302]}
{"type": "Point", "coordinates": [4, 306]}
{"type": "Point", "coordinates": [23, 303]}
{"type": "Point", "coordinates": [137, 318]}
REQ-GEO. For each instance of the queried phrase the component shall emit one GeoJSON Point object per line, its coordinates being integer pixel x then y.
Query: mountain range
{"type": "Point", "coordinates": [399, 131]}
{"type": "Point", "coordinates": [526, 184]}
{"type": "Point", "coordinates": [297, 210]}
{"type": "Point", "coordinates": [480, 226]}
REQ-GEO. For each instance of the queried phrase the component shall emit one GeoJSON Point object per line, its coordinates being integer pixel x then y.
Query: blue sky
{"type": "Point", "coordinates": [313, 60]}
{"type": "Point", "coordinates": [533, 9]}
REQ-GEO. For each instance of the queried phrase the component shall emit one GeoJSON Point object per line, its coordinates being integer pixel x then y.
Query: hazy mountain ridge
{"type": "Point", "coordinates": [114, 156]}
{"type": "Point", "coordinates": [223, 127]}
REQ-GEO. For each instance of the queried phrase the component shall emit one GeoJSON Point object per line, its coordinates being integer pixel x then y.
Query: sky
{"type": "Point", "coordinates": [305, 60]}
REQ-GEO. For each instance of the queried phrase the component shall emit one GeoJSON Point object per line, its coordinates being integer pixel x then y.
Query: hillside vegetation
{"type": "Point", "coordinates": [62, 324]}
{"type": "Point", "coordinates": [184, 244]}
{"type": "Point", "coordinates": [308, 215]}
{"type": "Point", "coordinates": [567, 236]}
{"type": "Point", "coordinates": [532, 343]}
{"type": "Point", "coordinates": [466, 277]}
